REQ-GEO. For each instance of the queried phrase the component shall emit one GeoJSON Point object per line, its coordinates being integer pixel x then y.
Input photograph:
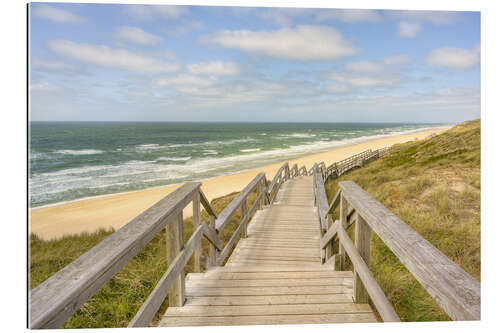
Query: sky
{"type": "Point", "coordinates": [110, 62]}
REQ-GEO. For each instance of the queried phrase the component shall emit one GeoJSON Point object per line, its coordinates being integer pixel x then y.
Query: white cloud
{"type": "Point", "coordinates": [185, 80]}
{"type": "Point", "coordinates": [138, 36]}
{"type": "Point", "coordinates": [453, 58]}
{"type": "Point", "coordinates": [110, 57]}
{"type": "Point", "coordinates": [398, 59]}
{"type": "Point", "coordinates": [434, 17]}
{"type": "Point", "coordinates": [149, 12]}
{"type": "Point", "coordinates": [364, 80]}
{"type": "Point", "coordinates": [349, 15]}
{"type": "Point", "coordinates": [364, 67]}
{"type": "Point", "coordinates": [408, 30]}
{"type": "Point", "coordinates": [300, 43]}
{"type": "Point", "coordinates": [215, 68]}
{"type": "Point", "coordinates": [57, 15]}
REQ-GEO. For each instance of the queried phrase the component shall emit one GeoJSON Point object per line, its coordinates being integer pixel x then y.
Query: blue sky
{"type": "Point", "coordinates": [191, 63]}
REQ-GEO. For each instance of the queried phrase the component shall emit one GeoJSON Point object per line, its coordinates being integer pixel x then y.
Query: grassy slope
{"type": "Point", "coordinates": [434, 186]}
{"type": "Point", "coordinates": [116, 303]}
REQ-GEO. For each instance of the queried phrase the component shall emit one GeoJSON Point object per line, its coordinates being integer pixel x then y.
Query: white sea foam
{"type": "Point", "coordinates": [79, 152]}
{"type": "Point", "coordinates": [249, 150]}
{"type": "Point", "coordinates": [174, 158]}
{"type": "Point", "coordinates": [108, 185]}
{"type": "Point", "coordinates": [210, 152]}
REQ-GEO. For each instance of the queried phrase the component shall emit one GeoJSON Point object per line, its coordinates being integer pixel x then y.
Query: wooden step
{"type": "Point", "coordinates": [270, 299]}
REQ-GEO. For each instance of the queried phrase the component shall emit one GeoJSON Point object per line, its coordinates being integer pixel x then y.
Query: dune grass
{"type": "Point", "coordinates": [434, 186]}
{"type": "Point", "coordinates": [116, 303]}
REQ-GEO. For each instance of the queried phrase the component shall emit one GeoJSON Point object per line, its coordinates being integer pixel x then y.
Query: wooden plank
{"type": "Point", "coordinates": [381, 303]}
{"type": "Point", "coordinates": [250, 268]}
{"type": "Point", "coordinates": [299, 290]}
{"type": "Point", "coordinates": [270, 300]}
{"type": "Point", "coordinates": [458, 293]}
{"type": "Point", "coordinates": [342, 225]}
{"type": "Point", "coordinates": [214, 247]}
{"type": "Point", "coordinates": [270, 320]}
{"type": "Point", "coordinates": [175, 244]}
{"type": "Point", "coordinates": [211, 235]}
{"type": "Point", "coordinates": [209, 283]}
{"type": "Point", "coordinates": [281, 259]}
{"type": "Point", "coordinates": [196, 223]}
{"type": "Point", "coordinates": [310, 275]}
{"type": "Point", "coordinates": [332, 231]}
{"type": "Point", "coordinates": [149, 308]}
{"type": "Point", "coordinates": [362, 235]}
{"type": "Point", "coordinates": [334, 202]}
{"type": "Point", "coordinates": [57, 298]}
{"type": "Point", "coordinates": [206, 204]}
{"type": "Point", "coordinates": [232, 241]}
{"type": "Point", "coordinates": [260, 310]}
{"type": "Point", "coordinates": [233, 206]}
{"type": "Point", "coordinates": [321, 200]}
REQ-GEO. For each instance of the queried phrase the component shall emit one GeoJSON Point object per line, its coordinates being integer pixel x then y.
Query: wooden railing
{"type": "Point", "coordinates": [55, 300]}
{"type": "Point", "coordinates": [458, 294]}
{"type": "Point", "coordinates": [282, 175]}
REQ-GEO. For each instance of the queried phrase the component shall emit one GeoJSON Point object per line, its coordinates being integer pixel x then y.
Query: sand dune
{"type": "Point", "coordinates": [118, 209]}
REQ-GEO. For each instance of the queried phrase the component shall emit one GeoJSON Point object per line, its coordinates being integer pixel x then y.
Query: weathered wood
{"type": "Point", "coordinates": [299, 290]}
{"type": "Point", "coordinates": [267, 275]}
{"type": "Point", "coordinates": [270, 320]}
{"type": "Point", "coordinates": [362, 235]}
{"type": "Point", "coordinates": [260, 310]}
{"type": "Point", "coordinates": [212, 249]}
{"type": "Point", "coordinates": [381, 303]}
{"type": "Point", "coordinates": [243, 215]}
{"type": "Point", "coordinates": [149, 308]}
{"type": "Point", "coordinates": [175, 244]}
{"type": "Point", "coordinates": [206, 204]}
{"type": "Point", "coordinates": [196, 223]}
{"type": "Point", "coordinates": [342, 225]}
{"type": "Point", "coordinates": [321, 200]}
{"type": "Point", "coordinates": [329, 236]}
{"type": "Point", "coordinates": [334, 202]}
{"type": "Point", "coordinates": [211, 235]}
{"type": "Point", "coordinates": [57, 298]}
{"type": "Point", "coordinates": [458, 293]}
{"type": "Point", "coordinates": [228, 212]}
{"type": "Point", "coordinates": [211, 283]}
{"type": "Point", "coordinates": [270, 299]}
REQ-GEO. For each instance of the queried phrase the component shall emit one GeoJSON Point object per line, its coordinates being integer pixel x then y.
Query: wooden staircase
{"type": "Point", "coordinates": [274, 275]}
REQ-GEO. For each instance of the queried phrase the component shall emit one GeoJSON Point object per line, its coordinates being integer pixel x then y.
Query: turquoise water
{"type": "Point", "coordinates": [72, 160]}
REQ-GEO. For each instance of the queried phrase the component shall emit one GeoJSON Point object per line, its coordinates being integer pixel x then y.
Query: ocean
{"type": "Point", "coordinates": [74, 160]}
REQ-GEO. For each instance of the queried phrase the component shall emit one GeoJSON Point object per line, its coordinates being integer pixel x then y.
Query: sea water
{"type": "Point", "coordinates": [73, 160]}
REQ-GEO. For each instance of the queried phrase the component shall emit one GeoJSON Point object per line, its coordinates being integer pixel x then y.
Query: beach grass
{"type": "Point", "coordinates": [434, 186]}
{"type": "Point", "coordinates": [116, 303]}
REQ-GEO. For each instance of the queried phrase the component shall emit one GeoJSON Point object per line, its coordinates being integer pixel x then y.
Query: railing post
{"type": "Point", "coordinates": [343, 224]}
{"type": "Point", "coordinates": [175, 244]}
{"type": "Point", "coordinates": [212, 250]}
{"type": "Point", "coordinates": [243, 214]}
{"type": "Point", "coordinates": [196, 223]}
{"type": "Point", "coordinates": [362, 234]}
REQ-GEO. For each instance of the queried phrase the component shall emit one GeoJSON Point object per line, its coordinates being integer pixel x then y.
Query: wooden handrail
{"type": "Point", "coordinates": [56, 299]}
{"type": "Point", "coordinates": [278, 179]}
{"type": "Point", "coordinates": [458, 293]}
{"type": "Point", "coordinates": [234, 205]}
{"type": "Point", "coordinates": [373, 289]}
{"type": "Point", "coordinates": [321, 199]}
{"type": "Point", "coordinates": [152, 304]}
{"type": "Point", "coordinates": [206, 204]}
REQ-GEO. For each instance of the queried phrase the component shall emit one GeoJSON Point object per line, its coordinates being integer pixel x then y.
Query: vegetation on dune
{"type": "Point", "coordinates": [434, 186]}
{"type": "Point", "coordinates": [116, 303]}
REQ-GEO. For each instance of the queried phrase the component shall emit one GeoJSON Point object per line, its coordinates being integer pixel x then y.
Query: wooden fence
{"type": "Point", "coordinates": [457, 293]}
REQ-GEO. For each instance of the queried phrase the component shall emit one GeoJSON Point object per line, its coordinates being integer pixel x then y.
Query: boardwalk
{"type": "Point", "coordinates": [285, 262]}
{"type": "Point", "coordinates": [274, 275]}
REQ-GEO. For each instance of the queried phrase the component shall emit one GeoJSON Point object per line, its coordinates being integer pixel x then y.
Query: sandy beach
{"type": "Point", "coordinates": [118, 209]}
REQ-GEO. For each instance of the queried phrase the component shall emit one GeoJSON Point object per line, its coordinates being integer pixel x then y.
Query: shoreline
{"type": "Point", "coordinates": [117, 209]}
